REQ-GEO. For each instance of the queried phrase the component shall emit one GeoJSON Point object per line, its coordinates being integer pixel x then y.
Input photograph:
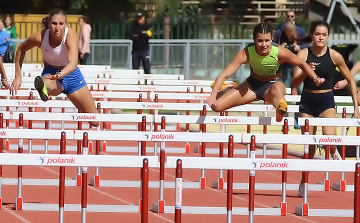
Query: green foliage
{"type": "Point", "coordinates": [179, 13]}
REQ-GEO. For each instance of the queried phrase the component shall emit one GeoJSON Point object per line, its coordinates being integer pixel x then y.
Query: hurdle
{"type": "Point", "coordinates": [22, 134]}
{"type": "Point", "coordinates": [83, 161]}
{"type": "Point", "coordinates": [304, 210]}
{"type": "Point", "coordinates": [334, 122]}
{"type": "Point", "coordinates": [250, 164]}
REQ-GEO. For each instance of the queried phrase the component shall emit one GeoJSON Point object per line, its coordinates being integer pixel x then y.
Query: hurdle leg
{"type": "Point", "coordinates": [84, 181]}
{"type": "Point", "coordinates": [62, 181]}
{"type": "Point", "coordinates": [96, 180]}
{"type": "Point", "coordinates": [327, 180]}
{"type": "Point", "coordinates": [19, 199]}
{"type": "Point", "coordinates": [283, 205]}
{"type": "Point", "coordinates": [160, 206]}
{"type": "Point", "coordinates": [230, 176]}
{"type": "Point", "coordinates": [341, 186]}
{"type": "Point", "coordinates": [178, 191]}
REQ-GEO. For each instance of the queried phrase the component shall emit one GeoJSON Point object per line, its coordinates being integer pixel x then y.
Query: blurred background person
{"type": "Point", "coordinates": [10, 29]}
{"type": "Point", "coordinates": [140, 33]}
{"type": "Point", "coordinates": [286, 37]}
{"type": "Point", "coordinates": [5, 40]}
{"type": "Point", "coordinates": [84, 39]}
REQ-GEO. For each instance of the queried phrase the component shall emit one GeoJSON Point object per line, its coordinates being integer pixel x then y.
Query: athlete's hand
{"type": "Point", "coordinates": [340, 84]}
{"type": "Point", "coordinates": [15, 85]}
{"type": "Point", "coordinates": [356, 113]}
{"type": "Point", "coordinates": [211, 100]}
{"type": "Point", "coordinates": [56, 76]}
{"type": "Point", "coordinates": [312, 65]}
{"type": "Point", "coordinates": [5, 83]}
{"type": "Point", "coordinates": [319, 81]}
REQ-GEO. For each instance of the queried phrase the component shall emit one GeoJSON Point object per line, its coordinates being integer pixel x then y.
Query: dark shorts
{"type": "Point", "coordinates": [259, 87]}
{"type": "Point", "coordinates": [71, 82]}
{"type": "Point", "coordinates": [316, 103]}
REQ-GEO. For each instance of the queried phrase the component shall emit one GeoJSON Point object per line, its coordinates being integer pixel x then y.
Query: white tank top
{"type": "Point", "coordinates": [57, 56]}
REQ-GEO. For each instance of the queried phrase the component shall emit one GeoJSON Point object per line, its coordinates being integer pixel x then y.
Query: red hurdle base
{"type": "Point", "coordinates": [78, 180]}
{"type": "Point", "coordinates": [199, 148]}
{"type": "Point", "coordinates": [340, 186]}
{"type": "Point", "coordinates": [327, 185]}
{"type": "Point", "coordinates": [0, 203]}
{"type": "Point", "coordinates": [187, 148]}
{"type": "Point", "coordinates": [103, 148]}
{"type": "Point", "coordinates": [220, 183]}
{"type": "Point", "coordinates": [158, 207]}
{"type": "Point", "coordinates": [283, 209]}
{"type": "Point", "coordinates": [90, 146]}
{"type": "Point", "coordinates": [95, 181]}
{"type": "Point", "coordinates": [303, 210]}
{"type": "Point", "coordinates": [202, 182]}
{"type": "Point", "coordinates": [7, 144]}
{"type": "Point", "coordinates": [19, 203]}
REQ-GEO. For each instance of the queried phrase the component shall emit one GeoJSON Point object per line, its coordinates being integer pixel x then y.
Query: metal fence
{"type": "Point", "coordinates": [196, 59]}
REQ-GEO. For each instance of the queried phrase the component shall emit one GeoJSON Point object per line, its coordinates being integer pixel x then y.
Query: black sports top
{"type": "Point", "coordinates": [324, 68]}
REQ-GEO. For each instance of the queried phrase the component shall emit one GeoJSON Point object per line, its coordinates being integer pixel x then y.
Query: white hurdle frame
{"type": "Point", "coordinates": [339, 122]}
{"type": "Point", "coordinates": [83, 161]}
{"type": "Point", "coordinates": [22, 134]}
{"type": "Point", "coordinates": [249, 164]}
{"type": "Point", "coordinates": [162, 137]}
{"type": "Point", "coordinates": [311, 140]}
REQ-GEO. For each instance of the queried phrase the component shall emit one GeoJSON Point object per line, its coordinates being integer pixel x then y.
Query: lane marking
{"type": "Point", "coordinates": [16, 215]}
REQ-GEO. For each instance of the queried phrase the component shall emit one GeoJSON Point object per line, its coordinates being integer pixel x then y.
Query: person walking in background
{"type": "Point", "coordinates": [5, 40]}
{"type": "Point", "coordinates": [140, 33]}
{"type": "Point", "coordinates": [10, 29]}
{"type": "Point", "coordinates": [59, 46]}
{"type": "Point", "coordinates": [286, 37]}
{"type": "Point", "coordinates": [84, 39]}
{"type": "Point", "coordinates": [318, 101]}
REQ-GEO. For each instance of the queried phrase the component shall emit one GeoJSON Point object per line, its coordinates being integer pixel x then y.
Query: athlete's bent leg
{"type": "Point", "coordinates": [240, 95]}
{"type": "Point", "coordinates": [84, 102]}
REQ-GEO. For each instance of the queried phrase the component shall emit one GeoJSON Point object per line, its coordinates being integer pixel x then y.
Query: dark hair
{"type": "Point", "coordinates": [313, 25]}
{"type": "Point", "coordinates": [85, 18]}
{"type": "Point", "coordinates": [263, 28]}
{"type": "Point", "coordinates": [53, 12]}
{"type": "Point", "coordinates": [7, 16]}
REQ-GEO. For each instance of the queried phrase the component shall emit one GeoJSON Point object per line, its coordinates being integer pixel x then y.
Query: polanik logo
{"type": "Point", "coordinates": [327, 139]}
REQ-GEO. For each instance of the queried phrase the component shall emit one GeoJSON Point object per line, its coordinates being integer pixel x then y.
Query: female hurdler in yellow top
{"type": "Point", "coordinates": [264, 82]}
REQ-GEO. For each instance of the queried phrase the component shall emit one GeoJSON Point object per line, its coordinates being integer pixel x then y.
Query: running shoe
{"type": "Point", "coordinates": [336, 155]}
{"type": "Point", "coordinates": [225, 84]}
{"type": "Point", "coordinates": [41, 88]}
{"type": "Point", "coordinates": [281, 110]}
{"type": "Point", "coordinates": [301, 190]}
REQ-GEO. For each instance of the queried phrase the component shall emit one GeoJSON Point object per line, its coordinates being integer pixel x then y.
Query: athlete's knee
{"type": "Point", "coordinates": [94, 124]}
{"type": "Point", "coordinates": [216, 108]}
{"type": "Point", "coordinates": [277, 89]}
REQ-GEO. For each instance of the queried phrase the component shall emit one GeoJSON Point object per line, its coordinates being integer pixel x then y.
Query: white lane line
{"type": "Point", "coordinates": [15, 215]}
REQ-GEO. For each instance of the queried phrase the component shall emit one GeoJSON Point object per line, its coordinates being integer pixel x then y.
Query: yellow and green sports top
{"type": "Point", "coordinates": [264, 65]}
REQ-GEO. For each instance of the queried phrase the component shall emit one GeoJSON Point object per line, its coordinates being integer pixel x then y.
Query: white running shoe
{"type": "Point", "coordinates": [301, 189]}
{"type": "Point", "coordinates": [336, 155]}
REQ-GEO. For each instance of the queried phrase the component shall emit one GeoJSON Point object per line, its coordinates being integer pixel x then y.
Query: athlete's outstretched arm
{"type": "Point", "coordinates": [340, 63]}
{"type": "Point", "coordinates": [240, 58]}
{"type": "Point", "coordinates": [31, 42]}
{"type": "Point", "coordinates": [299, 75]}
